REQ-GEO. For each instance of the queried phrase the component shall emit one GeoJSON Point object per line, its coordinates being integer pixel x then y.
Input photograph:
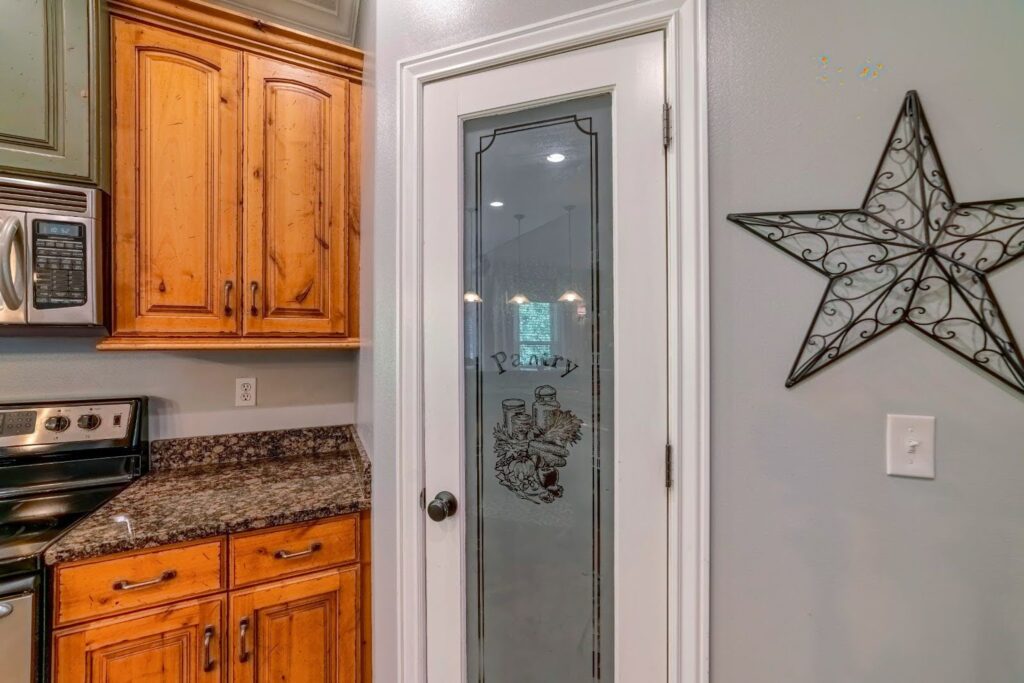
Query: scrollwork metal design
{"type": "Point", "coordinates": [910, 254]}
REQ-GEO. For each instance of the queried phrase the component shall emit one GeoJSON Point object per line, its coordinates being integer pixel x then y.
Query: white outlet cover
{"type": "Point", "coordinates": [245, 391]}
{"type": "Point", "coordinates": [910, 446]}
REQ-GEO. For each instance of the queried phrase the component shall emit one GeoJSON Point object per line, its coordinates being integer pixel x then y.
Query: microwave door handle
{"type": "Point", "coordinates": [12, 286]}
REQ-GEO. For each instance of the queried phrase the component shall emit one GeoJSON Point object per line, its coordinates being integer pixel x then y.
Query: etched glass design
{"type": "Point", "coordinates": [538, 394]}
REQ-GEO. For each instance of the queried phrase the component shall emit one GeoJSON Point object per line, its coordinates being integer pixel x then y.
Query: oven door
{"type": "Point", "coordinates": [13, 268]}
{"type": "Point", "coordinates": [18, 625]}
{"type": "Point", "coordinates": [62, 254]}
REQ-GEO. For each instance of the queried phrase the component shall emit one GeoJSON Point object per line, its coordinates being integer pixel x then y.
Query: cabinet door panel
{"type": "Point", "coordinates": [175, 183]}
{"type": "Point", "coordinates": [301, 630]}
{"type": "Point", "coordinates": [179, 644]}
{"type": "Point", "coordinates": [295, 200]}
{"type": "Point", "coordinates": [48, 80]}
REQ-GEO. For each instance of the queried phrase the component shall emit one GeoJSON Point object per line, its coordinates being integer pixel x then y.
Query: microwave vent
{"type": "Point", "coordinates": [61, 199]}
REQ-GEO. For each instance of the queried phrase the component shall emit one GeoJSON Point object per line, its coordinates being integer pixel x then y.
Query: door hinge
{"type": "Point", "coordinates": [668, 465]}
{"type": "Point", "coordinates": [666, 124]}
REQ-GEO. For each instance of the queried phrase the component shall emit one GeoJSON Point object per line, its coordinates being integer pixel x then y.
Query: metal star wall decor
{"type": "Point", "coordinates": [910, 254]}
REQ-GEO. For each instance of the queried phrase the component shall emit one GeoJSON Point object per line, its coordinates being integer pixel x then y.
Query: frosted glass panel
{"type": "Point", "coordinates": [539, 386]}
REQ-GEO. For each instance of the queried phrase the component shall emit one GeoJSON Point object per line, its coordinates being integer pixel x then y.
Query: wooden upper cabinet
{"type": "Point", "coordinates": [236, 182]}
{"type": "Point", "coordinates": [183, 643]}
{"type": "Point", "coordinates": [176, 197]}
{"type": "Point", "coordinates": [297, 237]}
{"type": "Point", "coordinates": [51, 83]}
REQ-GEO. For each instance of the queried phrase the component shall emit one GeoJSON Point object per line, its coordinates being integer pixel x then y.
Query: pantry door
{"type": "Point", "coordinates": [545, 369]}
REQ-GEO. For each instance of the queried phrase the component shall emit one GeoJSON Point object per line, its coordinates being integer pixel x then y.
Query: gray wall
{"type": "Point", "coordinates": [193, 392]}
{"type": "Point", "coordinates": [824, 569]}
{"type": "Point", "coordinates": [394, 30]}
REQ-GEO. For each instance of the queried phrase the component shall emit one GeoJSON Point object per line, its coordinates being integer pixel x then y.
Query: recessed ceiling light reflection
{"type": "Point", "coordinates": [497, 204]}
{"type": "Point", "coordinates": [556, 158]}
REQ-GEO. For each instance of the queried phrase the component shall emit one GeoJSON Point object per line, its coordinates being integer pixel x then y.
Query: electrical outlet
{"type": "Point", "coordinates": [245, 391]}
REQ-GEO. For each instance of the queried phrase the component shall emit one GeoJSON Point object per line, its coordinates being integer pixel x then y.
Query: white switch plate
{"type": "Point", "coordinates": [910, 446]}
{"type": "Point", "coordinates": [245, 391]}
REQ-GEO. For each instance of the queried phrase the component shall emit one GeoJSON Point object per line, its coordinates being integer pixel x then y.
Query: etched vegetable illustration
{"type": "Point", "coordinates": [530, 447]}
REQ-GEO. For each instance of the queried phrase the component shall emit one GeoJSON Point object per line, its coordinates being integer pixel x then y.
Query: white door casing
{"type": "Point", "coordinates": [632, 70]}
{"type": "Point", "coordinates": [683, 23]}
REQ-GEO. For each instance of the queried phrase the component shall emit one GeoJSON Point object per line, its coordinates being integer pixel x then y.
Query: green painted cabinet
{"type": "Point", "coordinates": [332, 19]}
{"type": "Point", "coordinates": [50, 73]}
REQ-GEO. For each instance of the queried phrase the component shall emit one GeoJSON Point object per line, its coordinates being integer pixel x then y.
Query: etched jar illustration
{"type": "Point", "coordinates": [510, 407]}
{"type": "Point", "coordinates": [521, 426]}
{"type": "Point", "coordinates": [530, 447]}
{"type": "Point", "coordinates": [545, 406]}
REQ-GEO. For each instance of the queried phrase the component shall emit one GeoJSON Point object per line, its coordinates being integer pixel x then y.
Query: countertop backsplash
{"type": "Point", "coordinates": [225, 449]}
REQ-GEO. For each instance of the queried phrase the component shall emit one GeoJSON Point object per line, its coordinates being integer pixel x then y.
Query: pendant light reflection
{"type": "Point", "coordinates": [519, 298]}
{"type": "Point", "coordinates": [571, 296]}
{"type": "Point", "coordinates": [472, 296]}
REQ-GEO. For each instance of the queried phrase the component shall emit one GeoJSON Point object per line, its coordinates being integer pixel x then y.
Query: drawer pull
{"type": "Point", "coordinates": [243, 648]}
{"type": "Point", "coordinates": [129, 586]}
{"type": "Point", "coordinates": [207, 654]}
{"type": "Point", "coordinates": [285, 555]}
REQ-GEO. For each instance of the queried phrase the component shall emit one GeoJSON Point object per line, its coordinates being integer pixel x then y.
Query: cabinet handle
{"type": "Point", "coordinates": [228, 285]}
{"type": "Point", "coordinates": [207, 653]}
{"type": "Point", "coordinates": [129, 586]}
{"type": "Point", "coordinates": [285, 555]}
{"type": "Point", "coordinates": [243, 649]}
{"type": "Point", "coordinates": [253, 286]}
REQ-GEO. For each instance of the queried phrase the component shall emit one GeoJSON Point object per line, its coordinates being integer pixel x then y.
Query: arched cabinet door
{"type": "Point", "coordinates": [300, 235]}
{"type": "Point", "coordinates": [176, 191]}
{"type": "Point", "coordinates": [179, 643]}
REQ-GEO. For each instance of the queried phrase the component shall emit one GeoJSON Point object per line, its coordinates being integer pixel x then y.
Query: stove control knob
{"type": "Point", "coordinates": [57, 423]}
{"type": "Point", "coordinates": [89, 421]}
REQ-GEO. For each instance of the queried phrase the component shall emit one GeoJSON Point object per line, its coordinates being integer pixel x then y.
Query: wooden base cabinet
{"type": "Point", "coordinates": [236, 182]}
{"type": "Point", "coordinates": [301, 630]}
{"type": "Point", "coordinates": [284, 604]}
{"type": "Point", "coordinates": [180, 644]}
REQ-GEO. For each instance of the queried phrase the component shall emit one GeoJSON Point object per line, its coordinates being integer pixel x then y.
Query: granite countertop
{"type": "Point", "coordinates": [190, 501]}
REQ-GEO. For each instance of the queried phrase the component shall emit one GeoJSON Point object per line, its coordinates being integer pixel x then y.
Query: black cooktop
{"type": "Point", "coordinates": [28, 525]}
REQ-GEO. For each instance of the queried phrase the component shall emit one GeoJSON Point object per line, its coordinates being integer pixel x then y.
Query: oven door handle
{"type": "Point", "coordinates": [12, 242]}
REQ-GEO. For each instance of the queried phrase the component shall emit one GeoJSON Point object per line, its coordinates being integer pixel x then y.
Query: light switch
{"type": "Point", "coordinates": [910, 451]}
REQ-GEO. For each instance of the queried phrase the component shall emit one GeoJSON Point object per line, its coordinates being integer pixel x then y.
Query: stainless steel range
{"type": "Point", "coordinates": [59, 461]}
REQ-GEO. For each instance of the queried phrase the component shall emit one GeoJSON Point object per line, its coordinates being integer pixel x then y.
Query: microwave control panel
{"type": "Point", "coordinates": [59, 264]}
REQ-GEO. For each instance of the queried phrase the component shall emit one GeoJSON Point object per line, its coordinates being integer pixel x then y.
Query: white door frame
{"type": "Point", "coordinates": [683, 22]}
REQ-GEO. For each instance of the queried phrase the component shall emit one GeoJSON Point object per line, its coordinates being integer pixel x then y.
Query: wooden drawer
{"type": "Point", "coordinates": [111, 585]}
{"type": "Point", "coordinates": [275, 553]}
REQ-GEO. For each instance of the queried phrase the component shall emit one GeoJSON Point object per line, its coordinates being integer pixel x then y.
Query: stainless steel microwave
{"type": "Point", "coordinates": [49, 254]}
